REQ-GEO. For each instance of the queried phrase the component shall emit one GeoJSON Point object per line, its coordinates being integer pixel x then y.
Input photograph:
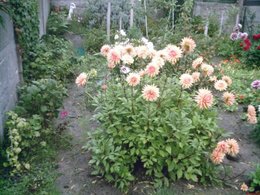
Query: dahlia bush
{"type": "Point", "coordinates": [157, 115]}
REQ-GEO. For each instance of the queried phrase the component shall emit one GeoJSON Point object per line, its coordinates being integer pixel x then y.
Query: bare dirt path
{"type": "Point", "coordinates": [73, 165]}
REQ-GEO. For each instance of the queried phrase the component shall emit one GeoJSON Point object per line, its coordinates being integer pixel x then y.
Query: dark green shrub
{"type": "Point", "coordinates": [42, 97]}
{"type": "Point", "coordinates": [251, 58]}
{"type": "Point", "coordinates": [54, 58]}
{"type": "Point", "coordinates": [57, 23]}
{"type": "Point", "coordinates": [94, 39]}
{"type": "Point", "coordinates": [256, 132]}
{"type": "Point", "coordinates": [255, 179]}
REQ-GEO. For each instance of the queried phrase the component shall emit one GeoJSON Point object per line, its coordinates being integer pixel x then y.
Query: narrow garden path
{"type": "Point", "coordinates": [73, 165]}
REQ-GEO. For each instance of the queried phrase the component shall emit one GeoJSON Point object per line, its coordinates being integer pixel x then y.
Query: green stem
{"type": "Point", "coordinates": [148, 116]}
{"type": "Point", "coordinates": [132, 97]}
{"type": "Point", "coordinates": [89, 95]}
{"type": "Point", "coordinates": [163, 89]}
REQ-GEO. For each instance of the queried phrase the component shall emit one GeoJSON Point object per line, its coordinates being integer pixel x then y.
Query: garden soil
{"type": "Point", "coordinates": [75, 173]}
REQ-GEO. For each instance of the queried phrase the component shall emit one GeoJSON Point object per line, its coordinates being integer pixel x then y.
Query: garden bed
{"type": "Point", "coordinates": [76, 172]}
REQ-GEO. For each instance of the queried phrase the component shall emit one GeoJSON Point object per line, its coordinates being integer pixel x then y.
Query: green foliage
{"type": "Point", "coordinates": [53, 58]}
{"type": "Point", "coordinates": [40, 181]}
{"type": "Point", "coordinates": [167, 139]}
{"type": "Point", "coordinates": [24, 136]}
{"type": "Point", "coordinates": [26, 21]}
{"type": "Point", "coordinates": [241, 85]}
{"type": "Point", "coordinates": [171, 135]}
{"type": "Point", "coordinates": [96, 11]}
{"type": "Point", "coordinates": [255, 179]}
{"type": "Point", "coordinates": [256, 132]}
{"type": "Point", "coordinates": [198, 24]}
{"type": "Point", "coordinates": [42, 97]}
{"type": "Point", "coordinates": [41, 177]}
{"type": "Point", "coordinates": [134, 33]}
{"type": "Point", "coordinates": [226, 47]}
{"type": "Point", "coordinates": [57, 23]}
{"type": "Point", "coordinates": [94, 39]}
{"type": "Point", "coordinates": [251, 58]}
{"type": "Point", "coordinates": [4, 7]}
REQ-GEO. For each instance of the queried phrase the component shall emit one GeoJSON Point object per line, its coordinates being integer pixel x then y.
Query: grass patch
{"type": "Point", "coordinates": [41, 178]}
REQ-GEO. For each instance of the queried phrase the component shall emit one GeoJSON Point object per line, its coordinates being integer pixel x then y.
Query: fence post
{"type": "Point", "coordinates": [146, 22]}
{"type": "Point", "coordinates": [108, 20]}
{"type": "Point", "coordinates": [221, 23]}
{"type": "Point", "coordinates": [132, 14]}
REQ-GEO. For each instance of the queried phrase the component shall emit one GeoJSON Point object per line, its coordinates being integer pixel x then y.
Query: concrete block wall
{"type": "Point", "coordinates": [9, 70]}
{"type": "Point", "coordinates": [252, 9]}
{"type": "Point", "coordinates": [9, 64]}
{"type": "Point", "coordinates": [205, 9]}
{"type": "Point", "coordinates": [80, 4]}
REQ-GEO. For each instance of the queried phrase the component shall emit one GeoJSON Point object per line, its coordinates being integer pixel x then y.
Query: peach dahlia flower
{"type": "Point", "coordinates": [229, 98]}
{"type": "Point", "coordinates": [188, 45]}
{"type": "Point", "coordinates": [186, 81]}
{"type": "Point", "coordinates": [204, 98]}
{"type": "Point", "coordinates": [150, 93]}
{"type": "Point", "coordinates": [196, 76]}
{"type": "Point", "coordinates": [114, 56]}
{"type": "Point", "coordinates": [251, 115]}
{"type": "Point", "coordinates": [220, 85]}
{"type": "Point", "coordinates": [244, 187]}
{"type": "Point", "coordinates": [173, 53]}
{"type": "Point", "coordinates": [207, 69]}
{"type": "Point", "coordinates": [105, 49]}
{"type": "Point", "coordinates": [217, 157]}
{"type": "Point", "coordinates": [133, 79]}
{"type": "Point", "coordinates": [227, 79]}
{"type": "Point", "coordinates": [152, 69]}
{"type": "Point", "coordinates": [197, 62]}
{"type": "Point", "coordinates": [233, 147]}
{"type": "Point", "coordinates": [81, 80]}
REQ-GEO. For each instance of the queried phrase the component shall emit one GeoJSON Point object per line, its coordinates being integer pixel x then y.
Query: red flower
{"type": "Point", "coordinates": [247, 41]}
{"type": "Point", "coordinates": [256, 36]}
{"type": "Point", "coordinates": [258, 47]}
{"type": "Point", "coordinates": [247, 47]}
{"type": "Point", "coordinates": [247, 44]}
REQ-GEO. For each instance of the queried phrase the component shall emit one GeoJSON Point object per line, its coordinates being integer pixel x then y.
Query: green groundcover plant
{"type": "Point", "coordinates": [42, 97]}
{"type": "Point", "coordinates": [157, 115]}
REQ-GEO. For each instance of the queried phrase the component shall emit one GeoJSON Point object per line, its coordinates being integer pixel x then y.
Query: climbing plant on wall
{"type": "Point", "coordinates": [26, 22]}
{"type": "Point", "coordinates": [5, 8]}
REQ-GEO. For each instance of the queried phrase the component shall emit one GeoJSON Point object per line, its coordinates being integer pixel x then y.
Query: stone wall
{"type": "Point", "coordinates": [9, 69]}
{"type": "Point", "coordinates": [252, 9]}
{"type": "Point", "coordinates": [9, 64]}
{"type": "Point", "coordinates": [205, 9]}
{"type": "Point", "coordinates": [80, 4]}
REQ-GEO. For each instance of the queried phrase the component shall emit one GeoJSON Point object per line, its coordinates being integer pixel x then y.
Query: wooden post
{"type": "Point", "coordinates": [237, 19]}
{"type": "Point", "coordinates": [120, 22]}
{"type": "Point", "coordinates": [221, 23]}
{"type": "Point", "coordinates": [206, 28]}
{"type": "Point", "coordinates": [108, 20]}
{"type": "Point", "coordinates": [146, 20]}
{"type": "Point", "coordinates": [132, 14]}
